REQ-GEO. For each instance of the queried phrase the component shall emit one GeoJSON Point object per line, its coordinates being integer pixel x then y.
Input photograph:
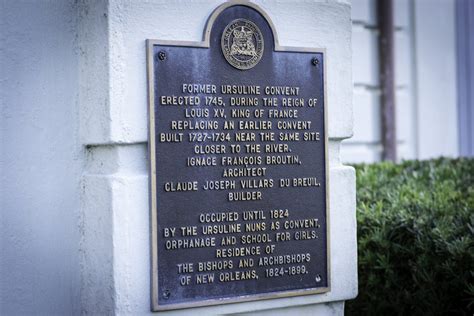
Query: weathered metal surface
{"type": "Point", "coordinates": [272, 204]}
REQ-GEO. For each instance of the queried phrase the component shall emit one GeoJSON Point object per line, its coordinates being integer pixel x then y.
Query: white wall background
{"type": "Point", "coordinates": [40, 159]}
{"type": "Point", "coordinates": [435, 66]}
{"type": "Point", "coordinates": [425, 81]}
{"type": "Point", "coordinates": [116, 275]}
{"type": "Point", "coordinates": [74, 182]}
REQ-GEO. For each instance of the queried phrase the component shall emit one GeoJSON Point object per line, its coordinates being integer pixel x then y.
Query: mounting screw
{"type": "Point", "coordinates": [162, 55]}
{"type": "Point", "coordinates": [317, 278]}
{"type": "Point", "coordinates": [166, 294]}
{"type": "Point", "coordinates": [315, 61]}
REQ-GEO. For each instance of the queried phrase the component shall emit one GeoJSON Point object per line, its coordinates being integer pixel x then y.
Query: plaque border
{"type": "Point", "coordinates": [205, 43]}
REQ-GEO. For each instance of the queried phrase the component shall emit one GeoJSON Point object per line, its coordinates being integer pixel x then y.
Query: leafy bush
{"type": "Point", "coordinates": [415, 238]}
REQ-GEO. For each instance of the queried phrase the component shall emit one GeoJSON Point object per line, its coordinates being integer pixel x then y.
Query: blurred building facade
{"type": "Point", "coordinates": [434, 73]}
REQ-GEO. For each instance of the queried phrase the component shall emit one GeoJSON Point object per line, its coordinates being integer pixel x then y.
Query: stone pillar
{"type": "Point", "coordinates": [115, 231]}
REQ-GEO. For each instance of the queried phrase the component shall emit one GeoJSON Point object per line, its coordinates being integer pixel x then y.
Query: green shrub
{"type": "Point", "coordinates": [415, 238]}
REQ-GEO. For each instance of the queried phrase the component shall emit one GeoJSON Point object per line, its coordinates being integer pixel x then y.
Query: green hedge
{"type": "Point", "coordinates": [415, 238]}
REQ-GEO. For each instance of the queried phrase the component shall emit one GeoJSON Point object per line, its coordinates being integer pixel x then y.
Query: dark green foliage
{"type": "Point", "coordinates": [415, 238]}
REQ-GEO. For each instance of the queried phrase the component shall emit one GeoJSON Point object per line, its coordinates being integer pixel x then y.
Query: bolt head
{"type": "Point", "coordinates": [161, 55]}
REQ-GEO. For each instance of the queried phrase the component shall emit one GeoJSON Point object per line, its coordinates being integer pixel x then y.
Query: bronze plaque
{"type": "Point", "coordinates": [238, 165]}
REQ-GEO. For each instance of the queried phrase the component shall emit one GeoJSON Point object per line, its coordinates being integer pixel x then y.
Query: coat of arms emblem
{"type": "Point", "coordinates": [242, 44]}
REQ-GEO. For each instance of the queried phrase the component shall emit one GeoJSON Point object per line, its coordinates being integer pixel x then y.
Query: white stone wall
{"type": "Point", "coordinates": [40, 159]}
{"type": "Point", "coordinates": [74, 178]}
{"type": "Point", "coordinates": [116, 211]}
